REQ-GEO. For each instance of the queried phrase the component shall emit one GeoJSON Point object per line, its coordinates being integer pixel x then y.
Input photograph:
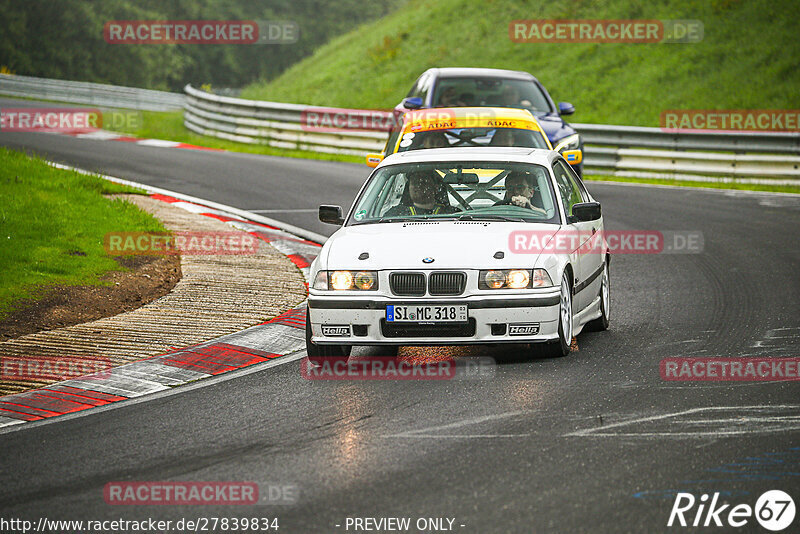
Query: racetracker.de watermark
{"type": "Point", "coordinates": [54, 368]}
{"type": "Point", "coordinates": [341, 119]}
{"type": "Point", "coordinates": [729, 369]}
{"type": "Point", "coordinates": [66, 119]}
{"type": "Point", "coordinates": [200, 32]}
{"type": "Point", "coordinates": [605, 31]}
{"type": "Point", "coordinates": [181, 493]}
{"type": "Point", "coordinates": [731, 120]}
{"type": "Point", "coordinates": [390, 368]}
{"type": "Point", "coordinates": [189, 243]}
{"type": "Point", "coordinates": [600, 242]}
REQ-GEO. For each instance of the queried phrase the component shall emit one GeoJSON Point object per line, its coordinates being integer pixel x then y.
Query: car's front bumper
{"type": "Point", "coordinates": [365, 319]}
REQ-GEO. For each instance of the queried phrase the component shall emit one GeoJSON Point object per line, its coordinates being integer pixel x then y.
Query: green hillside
{"type": "Point", "coordinates": [749, 57]}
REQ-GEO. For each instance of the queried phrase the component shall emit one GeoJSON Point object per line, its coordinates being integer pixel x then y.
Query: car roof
{"type": "Point", "coordinates": [460, 72]}
{"type": "Point", "coordinates": [539, 156]}
{"type": "Point", "coordinates": [465, 117]}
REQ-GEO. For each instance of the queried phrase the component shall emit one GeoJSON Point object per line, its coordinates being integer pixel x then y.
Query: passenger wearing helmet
{"type": "Point", "coordinates": [424, 195]}
{"type": "Point", "coordinates": [519, 191]}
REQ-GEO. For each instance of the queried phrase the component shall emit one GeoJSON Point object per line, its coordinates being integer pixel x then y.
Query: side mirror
{"type": "Point", "coordinates": [565, 108]}
{"type": "Point", "coordinates": [586, 211]}
{"type": "Point", "coordinates": [331, 215]}
{"type": "Point", "coordinates": [413, 102]}
{"type": "Point", "coordinates": [374, 159]}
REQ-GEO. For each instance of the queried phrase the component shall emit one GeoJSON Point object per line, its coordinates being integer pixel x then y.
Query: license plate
{"type": "Point", "coordinates": [426, 314]}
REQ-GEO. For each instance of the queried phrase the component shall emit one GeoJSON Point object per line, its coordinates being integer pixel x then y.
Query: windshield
{"type": "Point", "coordinates": [459, 92]}
{"type": "Point", "coordinates": [465, 190]}
{"type": "Point", "coordinates": [488, 136]}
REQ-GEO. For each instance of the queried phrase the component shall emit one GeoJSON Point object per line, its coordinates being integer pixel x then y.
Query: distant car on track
{"type": "Point", "coordinates": [425, 255]}
{"type": "Point", "coordinates": [451, 87]}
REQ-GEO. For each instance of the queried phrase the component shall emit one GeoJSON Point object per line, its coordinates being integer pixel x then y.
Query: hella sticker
{"type": "Point", "coordinates": [526, 329]}
{"type": "Point", "coordinates": [336, 330]}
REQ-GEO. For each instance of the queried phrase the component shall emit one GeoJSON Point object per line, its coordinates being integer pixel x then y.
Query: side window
{"type": "Point", "coordinates": [579, 182]}
{"type": "Point", "coordinates": [425, 87]}
{"type": "Point", "coordinates": [415, 89]}
{"type": "Point", "coordinates": [392, 141]}
{"type": "Point", "coordinates": [568, 189]}
{"type": "Point", "coordinates": [420, 88]}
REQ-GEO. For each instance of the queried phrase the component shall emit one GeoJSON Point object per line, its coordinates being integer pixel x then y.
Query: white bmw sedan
{"type": "Point", "coordinates": [462, 246]}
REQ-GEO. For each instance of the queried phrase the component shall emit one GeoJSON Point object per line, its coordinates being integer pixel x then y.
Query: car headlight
{"type": "Point", "coordinates": [513, 279]}
{"type": "Point", "coordinates": [493, 279]}
{"type": "Point", "coordinates": [346, 280]}
{"type": "Point", "coordinates": [571, 142]}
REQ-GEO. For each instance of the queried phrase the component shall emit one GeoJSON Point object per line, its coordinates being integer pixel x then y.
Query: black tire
{"type": "Point", "coordinates": [560, 347]}
{"type": "Point", "coordinates": [319, 353]}
{"type": "Point", "coordinates": [601, 323]}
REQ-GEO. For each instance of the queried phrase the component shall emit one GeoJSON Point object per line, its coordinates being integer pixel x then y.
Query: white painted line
{"type": "Point", "coordinates": [740, 420]}
{"type": "Point", "coordinates": [158, 143]}
{"type": "Point", "coordinates": [8, 421]}
{"type": "Point", "coordinates": [277, 339]}
{"type": "Point", "coordinates": [155, 371]}
{"type": "Point", "coordinates": [427, 432]}
{"type": "Point", "coordinates": [458, 436]}
{"type": "Point", "coordinates": [102, 135]}
{"type": "Point", "coordinates": [202, 210]}
{"type": "Point", "coordinates": [117, 383]}
{"type": "Point", "coordinates": [603, 431]}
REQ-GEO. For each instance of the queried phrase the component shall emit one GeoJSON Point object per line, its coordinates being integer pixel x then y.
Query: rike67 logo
{"type": "Point", "coordinates": [774, 510]}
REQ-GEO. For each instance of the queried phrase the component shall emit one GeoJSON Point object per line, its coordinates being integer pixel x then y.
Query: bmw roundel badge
{"type": "Point", "coordinates": [427, 260]}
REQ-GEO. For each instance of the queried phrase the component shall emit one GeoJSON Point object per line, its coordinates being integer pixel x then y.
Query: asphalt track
{"type": "Point", "coordinates": [595, 442]}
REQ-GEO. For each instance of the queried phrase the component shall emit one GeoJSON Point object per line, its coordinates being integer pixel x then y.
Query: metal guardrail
{"type": "Point", "coordinates": [95, 94]}
{"type": "Point", "coordinates": [610, 150]}
{"type": "Point", "coordinates": [271, 123]}
{"type": "Point", "coordinates": [642, 137]}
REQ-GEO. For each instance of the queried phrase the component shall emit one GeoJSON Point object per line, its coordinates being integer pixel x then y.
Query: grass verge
{"type": "Point", "coordinates": [52, 224]}
{"type": "Point", "coordinates": [747, 58]}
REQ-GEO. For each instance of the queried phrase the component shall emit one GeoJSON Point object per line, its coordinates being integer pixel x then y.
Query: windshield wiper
{"type": "Point", "coordinates": [489, 217]}
{"type": "Point", "coordinates": [402, 219]}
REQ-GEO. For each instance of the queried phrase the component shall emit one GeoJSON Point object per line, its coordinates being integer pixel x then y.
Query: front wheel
{"type": "Point", "coordinates": [601, 323]}
{"type": "Point", "coordinates": [319, 353]}
{"type": "Point", "coordinates": [560, 347]}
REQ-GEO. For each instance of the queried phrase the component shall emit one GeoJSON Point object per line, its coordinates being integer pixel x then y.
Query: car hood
{"type": "Point", "coordinates": [451, 245]}
{"type": "Point", "coordinates": [554, 126]}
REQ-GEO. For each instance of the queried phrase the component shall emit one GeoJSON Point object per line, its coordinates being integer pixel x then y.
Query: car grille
{"type": "Point", "coordinates": [392, 330]}
{"type": "Point", "coordinates": [407, 284]}
{"type": "Point", "coordinates": [447, 283]}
